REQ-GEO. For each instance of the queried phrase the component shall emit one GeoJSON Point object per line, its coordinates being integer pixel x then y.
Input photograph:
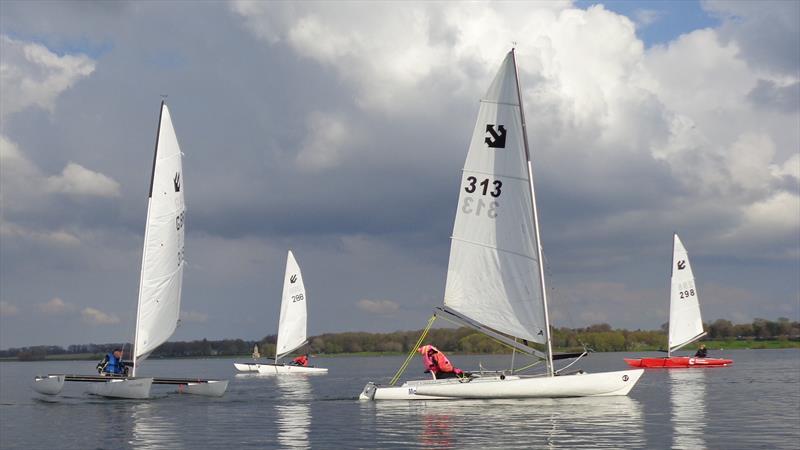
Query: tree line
{"type": "Point", "coordinates": [599, 337]}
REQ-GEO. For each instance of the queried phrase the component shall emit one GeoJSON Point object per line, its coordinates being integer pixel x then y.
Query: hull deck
{"type": "Point", "coordinates": [677, 362]}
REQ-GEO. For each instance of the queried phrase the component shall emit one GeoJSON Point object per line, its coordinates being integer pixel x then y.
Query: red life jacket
{"type": "Point", "coordinates": [442, 362]}
{"type": "Point", "coordinates": [301, 360]}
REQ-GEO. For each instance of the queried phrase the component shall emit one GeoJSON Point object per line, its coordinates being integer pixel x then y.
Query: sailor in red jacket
{"type": "Point", "coordinates": [437, 363]}
{"type": "Point", "coordinates": [301, 360]}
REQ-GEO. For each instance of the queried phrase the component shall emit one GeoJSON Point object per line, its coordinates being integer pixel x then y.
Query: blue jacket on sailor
{"type": "Point", "coordinates": [110, 364]}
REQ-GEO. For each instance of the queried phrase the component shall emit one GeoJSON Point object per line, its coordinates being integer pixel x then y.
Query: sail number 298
{"type": "Point", "coordinates": [687, 294]}
{"type": "Point", "coordinates": [298, 298]}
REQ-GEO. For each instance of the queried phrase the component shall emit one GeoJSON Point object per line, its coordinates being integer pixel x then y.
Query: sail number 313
{"type": "Point", "coordinates": [479, 206]}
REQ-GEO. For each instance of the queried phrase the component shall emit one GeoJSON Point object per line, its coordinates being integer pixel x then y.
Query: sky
{"type": "Point", "coordinates": [339, 130]}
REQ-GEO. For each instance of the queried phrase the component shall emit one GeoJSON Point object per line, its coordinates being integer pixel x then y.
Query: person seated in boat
{"type": "Point", "coordinates": [301, 360]}
{"type": "Point", "coordinates": [112, 364]}
{"type": "Point", "coordinates": [437, 363]}
{"type": "Point", "coordinates": [701, 352]}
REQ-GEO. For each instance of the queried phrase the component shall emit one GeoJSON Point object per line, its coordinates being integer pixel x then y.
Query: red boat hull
{"type": "Point", "coordinates": [678, 362]}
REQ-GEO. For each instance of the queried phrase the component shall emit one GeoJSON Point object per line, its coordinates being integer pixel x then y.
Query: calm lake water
{"type": "Point", "coordinates": [753, 404]}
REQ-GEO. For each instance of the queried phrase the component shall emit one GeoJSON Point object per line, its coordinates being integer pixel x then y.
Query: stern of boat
{"type": "Point", "coordinates": [369, 392]}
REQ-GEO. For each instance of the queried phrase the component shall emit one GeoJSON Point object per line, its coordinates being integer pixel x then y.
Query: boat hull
{"type": "Point", "coordinates": [48, 384]}
{"type": "Point", "coordinates": [133, 388]}
{"type": "Point", "coordinates": [210, 388]}
{"type": "Point", "coordinates": [278, 369]}
{"type": "Point", "coordinates": [497, 387]}
{"type": "Point", "coordinates": [246, 367]}
{"type": "Point", "coordinates": [676, 362]}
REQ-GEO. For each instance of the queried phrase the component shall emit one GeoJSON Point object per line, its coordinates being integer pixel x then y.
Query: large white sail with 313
{"type": "Point", "coordinates": [492, 276]}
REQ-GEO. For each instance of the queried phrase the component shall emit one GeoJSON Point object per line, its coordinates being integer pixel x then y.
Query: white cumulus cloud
{"type": "Point", "coordinates": [7, 309]}
{"type": "Point", "coordinates": [55, 306]}
{"type": "Point", "coordinates": [97, 317]}
{"type": "Point", "coordinates": [378, 306]}
{"type": "Point", "coordinates": [78, 180]}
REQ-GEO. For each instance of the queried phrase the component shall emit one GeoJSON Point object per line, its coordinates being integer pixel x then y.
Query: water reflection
{"type": "Point", "coordinates": [153, 430]}
{"type": "Point", "coordinates": [601, 422]}
{"type": "Point", "coordinates": [688, 394]}
{"type": "Point", "coordinates": [293, 411]}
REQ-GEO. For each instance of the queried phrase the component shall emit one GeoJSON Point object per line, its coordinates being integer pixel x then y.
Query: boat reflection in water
{"type": "Point", "coordinates": [293, 410]}
{"type": "Point", "coordinates": [688, 395]}
{"type": "Point", "coordinates": [153, 430]}
{"type": "Point", "coordinates": [596, 422]}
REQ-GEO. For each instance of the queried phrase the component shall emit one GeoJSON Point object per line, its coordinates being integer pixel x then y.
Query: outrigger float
{"type": "Point", "coordinates": [495, 276]}
{"type": "Point", "coordinates": [161, 279]}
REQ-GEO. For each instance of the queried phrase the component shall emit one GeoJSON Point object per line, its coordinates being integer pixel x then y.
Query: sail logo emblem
{"type": "Point", "coordinates": [681, 264]}
{"type": "Point", "coordinates": [177, 181]}
{"type": "Point", "coordinates": [292, 279]}
{"type": "Point", "coordinates": [496, 138]}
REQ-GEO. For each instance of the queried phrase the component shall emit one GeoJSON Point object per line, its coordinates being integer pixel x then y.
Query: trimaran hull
{"type": "Point", "coordinates": [496, 387]}
{"type": "Point", "coordinates": [129, 387]}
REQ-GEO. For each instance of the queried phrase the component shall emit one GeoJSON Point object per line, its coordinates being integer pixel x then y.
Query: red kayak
{"type": "Point", "coordinates": [678, 362]}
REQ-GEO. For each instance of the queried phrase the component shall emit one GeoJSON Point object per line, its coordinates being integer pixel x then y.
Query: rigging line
{"type": "Point", "coordinates": [413, 350]}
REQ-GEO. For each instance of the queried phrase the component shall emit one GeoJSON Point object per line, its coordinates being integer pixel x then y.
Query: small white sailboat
{"type": "Point", "coordinates": [495, 279]}
{"type": "Point", "coordinates": [685, 320]}
{"type": "Point", "coordinates": [291, 325]}
{"type": "Point", "coordinates": [252, 366]}
{"type": "Point", "coordinates": [160, 282]}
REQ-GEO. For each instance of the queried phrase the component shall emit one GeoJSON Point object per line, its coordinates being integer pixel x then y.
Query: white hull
{"type": "Point", "coordinates": [246, 367]}
{"type": "Point", "coordinates": [48, 384]}
{"type": "Point", "coordinates": [277, 369]}
{"type": "Point", "coordinates": [578, 385]}
{"type": "Point", "coordinates": [210, 388]}
{"type": "Point", "coordinates": [136, 388]}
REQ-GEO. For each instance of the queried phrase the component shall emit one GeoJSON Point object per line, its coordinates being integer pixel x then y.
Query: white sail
{"type": "Point", "coordinates": [292, 325]}
{"type": "Point", "coordinates": [685, 323]}
{"type": "Point", "coordinates": [162, 260]}
{"type": "Point", "coordinates": [492, 276]}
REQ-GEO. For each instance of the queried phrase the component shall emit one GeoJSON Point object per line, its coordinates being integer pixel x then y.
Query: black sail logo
{"type": "Point", "coordinates": [293, 278]}
{"type": "Point", "coordinates": [497, 137]}
{"type": "Point", "coordinates": [681, 264]}
{"type": "Point", "coordinates": [177, 181]}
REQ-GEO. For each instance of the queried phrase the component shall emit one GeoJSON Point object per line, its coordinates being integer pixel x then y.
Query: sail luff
{"type": "Point", "coordinates": [144, 246]}
{"type": "Point", "coordinates": [535, 211]}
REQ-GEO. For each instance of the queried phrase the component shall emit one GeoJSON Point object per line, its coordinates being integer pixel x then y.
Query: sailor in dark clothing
{"type": "Point", "coordinates": [112, 364]}
{"type": "Point", "coordinates": [701, 352]}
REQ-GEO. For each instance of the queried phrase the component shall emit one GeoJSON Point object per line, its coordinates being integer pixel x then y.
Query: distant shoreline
{"type": "Point", "coordinates": [713, 345]}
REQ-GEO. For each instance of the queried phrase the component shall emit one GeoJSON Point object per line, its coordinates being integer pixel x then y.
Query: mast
{"type": "Point", "coordinates": [144, 246]}
{"type": "Point", "coordinates": [549, 359]}
{"type": "Point", "coordinates": [671, 273]}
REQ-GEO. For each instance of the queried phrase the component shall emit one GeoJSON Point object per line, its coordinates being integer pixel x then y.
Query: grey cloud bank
{"type": "Point", "coordinates": [339, 131]}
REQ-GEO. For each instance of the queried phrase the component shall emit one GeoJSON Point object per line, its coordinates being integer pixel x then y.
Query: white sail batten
{"type": "Point", "coordinates": [161, 279]}
{"type": "Point", "coordinates": [492, 273]}
{"type": "Point", "coordinates": [685, 321]}
{"type": "Point", "coordinates": [292, 324]}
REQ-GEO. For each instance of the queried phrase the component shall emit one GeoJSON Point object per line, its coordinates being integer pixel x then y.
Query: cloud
{"type": "Point", "coordinates": [7, 309]}
{"type": "Point", "coordinates": [78, 180]}
{"type": "Point", "coordinates": [378, 306]}
{"type": "Point", "coordinates": [646, 17]}
{"type": "Point", "coordinates": [59, 238]}
{"type": "Point", "coordinates": [97, 317]}
{"type": "Point", "coordinates": [194, 316]}
{"type": "Point", "coordinates": [32, 75]}
{"type": "Point", "coordinates": [327, 142]}
{"type": "Point", "coordinates": [55, 306]}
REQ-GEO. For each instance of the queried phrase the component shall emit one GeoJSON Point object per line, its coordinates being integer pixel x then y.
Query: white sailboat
{"type": "Point", "coordinates": [495, 279]}
{"type": "Point", "coordinates": [291, 325]}
{"type": "Point", "coordinates": [685, 320]}
{"type": "Point", "coordinates": [160, 282]}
